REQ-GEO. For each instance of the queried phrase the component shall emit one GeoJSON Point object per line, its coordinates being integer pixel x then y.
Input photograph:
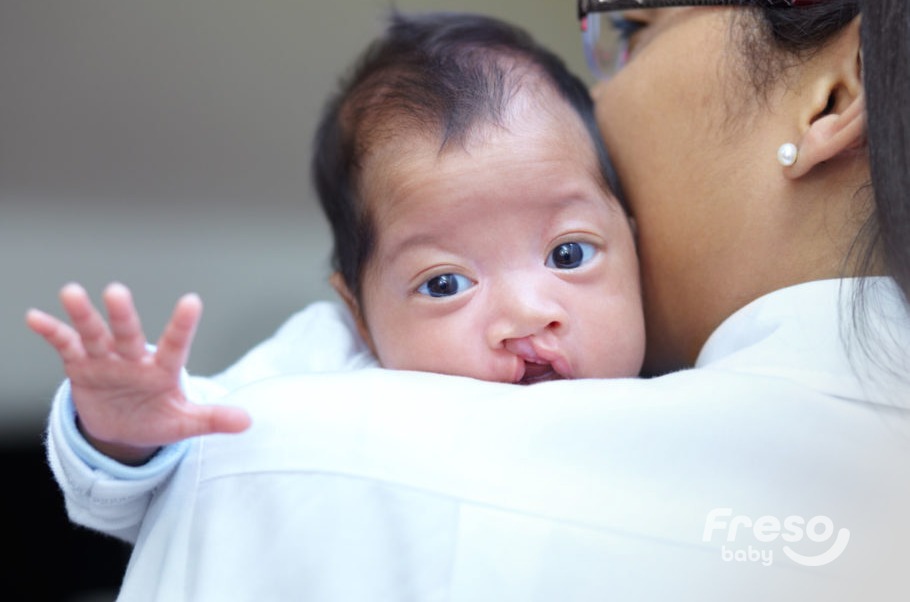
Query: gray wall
{"type": "Point", "coordinates": [165, 144]}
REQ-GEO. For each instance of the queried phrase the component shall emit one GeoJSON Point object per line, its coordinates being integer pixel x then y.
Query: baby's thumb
{"type": "Point", "coordinates": [227, 419]}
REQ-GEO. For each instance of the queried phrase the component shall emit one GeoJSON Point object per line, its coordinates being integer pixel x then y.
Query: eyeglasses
{"type": "Point", "coordinates": [606, 37]}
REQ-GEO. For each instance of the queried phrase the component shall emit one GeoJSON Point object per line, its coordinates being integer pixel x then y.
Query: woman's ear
{"type": "Point", "coordinates": [829, 136]}
{"type": "Point", "coordinates": [338, 283]}
{"type": "Point", "coordinates": [834, 121]}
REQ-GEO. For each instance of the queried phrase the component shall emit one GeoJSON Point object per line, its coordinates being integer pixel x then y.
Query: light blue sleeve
{"type": "Point", "coordinates": [99, 492]}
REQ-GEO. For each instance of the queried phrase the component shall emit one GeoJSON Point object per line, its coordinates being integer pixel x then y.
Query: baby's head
{"type": "Point", "coordinates": [475, 228]}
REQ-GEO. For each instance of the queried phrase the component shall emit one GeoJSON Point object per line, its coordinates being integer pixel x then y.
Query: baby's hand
{"type": "Point", "coordinates": [128, 399]}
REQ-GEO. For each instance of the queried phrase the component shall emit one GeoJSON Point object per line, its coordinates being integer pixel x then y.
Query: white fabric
{"type": "Point", "coordinates": [377, 485]}
{"type": "Point", "coordinates": [321, 338]}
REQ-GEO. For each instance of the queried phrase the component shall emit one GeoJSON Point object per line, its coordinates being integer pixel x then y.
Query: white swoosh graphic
{"type": "Point", "coordinates": [836, 549]}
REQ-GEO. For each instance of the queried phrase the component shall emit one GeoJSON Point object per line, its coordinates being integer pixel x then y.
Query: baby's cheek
{"type": "Point", "coordinates": [411, 345]}
{"type": "Point", "coordinates": [429, 350]}
{"type": "Point", "coordinates": [613, 345]}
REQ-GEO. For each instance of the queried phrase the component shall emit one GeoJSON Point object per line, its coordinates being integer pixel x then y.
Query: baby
{"type": "Point", "coordinates": [474, 236]}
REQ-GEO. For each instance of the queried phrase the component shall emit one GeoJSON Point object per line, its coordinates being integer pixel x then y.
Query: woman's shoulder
{"type": "Point", "coordinates": [846, 338]}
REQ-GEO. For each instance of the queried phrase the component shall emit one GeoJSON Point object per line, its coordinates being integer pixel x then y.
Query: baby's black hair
{"type": "Point", "coordinates": [437, 74]}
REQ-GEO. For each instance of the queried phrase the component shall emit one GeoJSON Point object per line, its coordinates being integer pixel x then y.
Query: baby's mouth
{"type": "Point", "coordinates": [538, 373]}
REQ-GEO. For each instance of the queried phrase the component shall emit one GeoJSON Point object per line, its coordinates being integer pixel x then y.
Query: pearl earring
{"type": "Point", "coordinates": [787, 154]}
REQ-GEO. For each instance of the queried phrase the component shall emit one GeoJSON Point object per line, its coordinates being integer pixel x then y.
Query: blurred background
{"type": "Point", "coordinates": [164, 144]}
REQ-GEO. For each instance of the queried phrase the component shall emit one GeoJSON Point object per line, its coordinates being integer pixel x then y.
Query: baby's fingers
{"type": "Point", "coordinates": [58, 334]}
{"type": "Point", "coordinates": [177, 338]}
{"type": "Point", "coordinates": [129, 340]}
{"type": "Point", "coordinates": [88, 323]}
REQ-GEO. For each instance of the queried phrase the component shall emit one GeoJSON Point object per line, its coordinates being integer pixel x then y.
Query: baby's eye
{"type": "Point", "coordinates": [445, 285]}
{"type": "Point", "coordinates": [570, 255]}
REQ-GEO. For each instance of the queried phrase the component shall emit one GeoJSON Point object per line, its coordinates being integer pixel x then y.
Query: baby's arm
{"type": "Point", "coordinates": [112, 498]}
{"type": "Point", "coordinates": [127, 397]}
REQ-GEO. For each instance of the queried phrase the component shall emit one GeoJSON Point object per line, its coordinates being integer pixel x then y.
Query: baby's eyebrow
{"type": "Point", "coordinates": [413, 241]}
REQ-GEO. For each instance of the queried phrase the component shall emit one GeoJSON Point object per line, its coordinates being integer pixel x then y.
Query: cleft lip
{"type": "Point", "coordinates": [537, 373]}
{"type": "Point", "coordinates": [537, 362]}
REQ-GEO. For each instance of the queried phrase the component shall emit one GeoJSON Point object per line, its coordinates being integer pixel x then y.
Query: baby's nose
{"type": "Point", "coordinates": [524, 303]}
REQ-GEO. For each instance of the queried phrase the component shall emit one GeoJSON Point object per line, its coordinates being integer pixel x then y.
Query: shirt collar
{"type": "Point", "coordinates": [811, 334]}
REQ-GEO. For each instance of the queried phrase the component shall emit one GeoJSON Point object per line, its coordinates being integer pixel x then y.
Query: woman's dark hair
{"type": "Point", "coordinates": [885, 32]}
{"type": "Point", "coordinates": [436, 74]}
{"type": "Point", "coordinates": [886, 65]}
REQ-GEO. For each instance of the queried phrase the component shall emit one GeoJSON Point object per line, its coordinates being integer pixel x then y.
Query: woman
{"type": "Point", "coordinates": [775, 469]}
{"type": "Point", "coordinates": [724, 218]}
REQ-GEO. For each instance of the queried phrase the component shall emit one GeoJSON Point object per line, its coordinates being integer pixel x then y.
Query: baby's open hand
{"type": "Point", "coordinates": [128, 398]}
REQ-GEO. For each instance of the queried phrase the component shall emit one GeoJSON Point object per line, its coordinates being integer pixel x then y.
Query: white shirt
{"type": "Point", "coordinates": [783, 449]}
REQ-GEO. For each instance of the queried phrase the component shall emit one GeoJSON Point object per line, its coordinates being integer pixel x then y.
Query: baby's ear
{"type": "Point", "coordinates": [341, 287]}
{"type": "Point", "coordinates": [633, 225]}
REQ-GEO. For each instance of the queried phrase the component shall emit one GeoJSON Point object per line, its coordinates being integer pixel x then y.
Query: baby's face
{"type": "Point", "coordinates": [504, 260]}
